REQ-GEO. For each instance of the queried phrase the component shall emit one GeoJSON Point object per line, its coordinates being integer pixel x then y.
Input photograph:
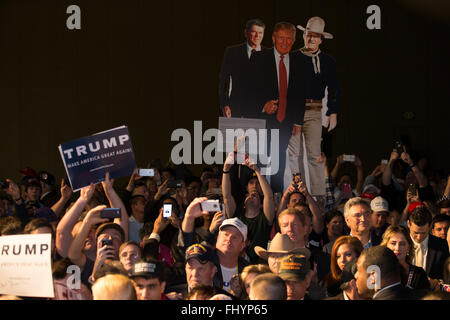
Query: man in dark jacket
{"type": "Point", "coordinates": [233, 81]}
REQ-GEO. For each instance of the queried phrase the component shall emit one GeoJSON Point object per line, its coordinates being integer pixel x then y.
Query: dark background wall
{"type": "Point", "coordinates": [154, 66]}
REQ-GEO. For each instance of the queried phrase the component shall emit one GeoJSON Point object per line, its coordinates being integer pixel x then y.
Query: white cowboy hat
{"type": "Point", "coordinates": [316, 25]}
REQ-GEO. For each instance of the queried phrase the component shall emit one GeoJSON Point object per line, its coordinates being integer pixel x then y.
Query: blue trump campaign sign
{"type": "Point", "coordinates": [88, 159]}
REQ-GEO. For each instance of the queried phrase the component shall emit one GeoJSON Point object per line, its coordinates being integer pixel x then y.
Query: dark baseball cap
{"type": "Point", "coordinates": [200, 252]}
{"type": "Point", "coordinates": [294, 267]}
{"type": "Point", "coordinates": [110, 225]}
{"type": "Point", "coordinates": [146, 269]}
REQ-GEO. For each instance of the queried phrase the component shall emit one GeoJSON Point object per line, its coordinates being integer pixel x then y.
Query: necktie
{"type": "Point", "coordinates": [282, 88]}
{"type": "Point", "coordinates": [419, 256]}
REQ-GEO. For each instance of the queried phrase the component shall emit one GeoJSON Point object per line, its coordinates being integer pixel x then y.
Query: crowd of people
{"type": "Point", "coordinates": [387, 238]}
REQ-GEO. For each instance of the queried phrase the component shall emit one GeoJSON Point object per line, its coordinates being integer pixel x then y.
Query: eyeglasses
{"type": "Point", "coordinates": [358, 215]}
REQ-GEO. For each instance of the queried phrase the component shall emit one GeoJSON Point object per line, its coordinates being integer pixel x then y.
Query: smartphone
{"type": "Point", "coordinates": [210, 205]}
{"type": "Point", "coordinates": [297, 178]}
{"type": "Point", "coordinates": [399, 147]}
{"type": "Point", "coordinates": [146, 172]}
{"type": "Point", "coordinates": [174, 184]}
{"type": "Point", "coordinates": [413, 189]}
{"type": "Point", "coordinates": [384, 161]}
{"type": "Point", "coordinates": [349, 157]}
{"type": "Point", "coordinates": [110, 213]}
{"type": "Point", "coordinates": [167, 210]}
{"type": "Point", "coordinates": [107, 242]}
{"type": "Point", "coordinates": [346, 188]}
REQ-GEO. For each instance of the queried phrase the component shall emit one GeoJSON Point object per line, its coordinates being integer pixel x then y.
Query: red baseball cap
{"type": "Point", "coordinates": [414, 205]}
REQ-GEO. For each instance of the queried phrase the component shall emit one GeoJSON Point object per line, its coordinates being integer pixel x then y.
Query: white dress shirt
{"type": "Point", "coordinates": [424, 244]}
{"type": "Point", "coordinates": [249, 50]}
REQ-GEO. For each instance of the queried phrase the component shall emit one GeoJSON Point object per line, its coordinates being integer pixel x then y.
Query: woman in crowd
{"type": "Point", "coordinates": [129, 253]}
{"type": "Point", "coordinates": [399, 241]}
{"type": "Point", "coordinates": [345, 249]}
{"type": "Point", "coordinates": [335, 223]}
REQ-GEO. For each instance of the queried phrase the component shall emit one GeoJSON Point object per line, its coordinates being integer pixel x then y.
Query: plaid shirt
{"type": "Point", "coordinates": [329, 194]}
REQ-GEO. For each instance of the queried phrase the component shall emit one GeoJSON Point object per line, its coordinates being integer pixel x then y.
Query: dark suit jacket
{"type": "Point", "coordinates": [235, 66]}
{"type": "Point", "coordinates": [398, 292]}
{"type": "Point", "coordinates": [437, 254]}
{"type": "Point", "coordinates": [265, 87]}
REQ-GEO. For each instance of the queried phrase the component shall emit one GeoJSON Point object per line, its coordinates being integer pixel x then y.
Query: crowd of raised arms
{"type": "Point", "coordinates": [225, 235]}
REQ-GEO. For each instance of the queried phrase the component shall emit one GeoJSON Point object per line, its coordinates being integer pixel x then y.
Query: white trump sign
{"type": "Point", "coordinates": [25, 265]}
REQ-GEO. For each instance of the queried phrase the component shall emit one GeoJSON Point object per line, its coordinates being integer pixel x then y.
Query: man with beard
{"type": "Point", "coordinates": [257, 211]}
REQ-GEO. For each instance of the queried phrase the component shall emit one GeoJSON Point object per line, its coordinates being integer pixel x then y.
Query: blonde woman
{"type": "Point", "coordinates": [397, 239]}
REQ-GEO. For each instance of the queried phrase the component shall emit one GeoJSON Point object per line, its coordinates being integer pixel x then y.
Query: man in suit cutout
{"type": "Point", "coordinates": [278, 93]}
{"type": "Point", "coordinates": [233, 81]}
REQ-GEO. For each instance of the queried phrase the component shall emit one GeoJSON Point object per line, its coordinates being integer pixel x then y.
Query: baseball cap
{"type": "Point", "coordinates": [28, 172]}
{"type": "Point", "coordinates": [200, 252]}
{"type": "Point", "coordinates": [45, 213]}
{"type": "Point", "coordinates": [110, 225]}
{"type": "Point", "coordinates": [235, 222]}
{"type": "Point", "coordinates": [371, 188]}
{"type": "Point", "coordinates": [294, 267]}
{"type": "Point", "coordinates": [414, 205]}
{"type": "Point", "coordinates": [145, 269]}
{"type": "Point", "coordinates": [367, 195]}
{"type": "Point", "coordinates": [379, 205]}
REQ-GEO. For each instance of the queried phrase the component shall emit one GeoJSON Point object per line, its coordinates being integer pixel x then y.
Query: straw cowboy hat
{"type": "Point", "coordinates": [281, 244]}
{"type": "Point", "coordinates": [316, 25]}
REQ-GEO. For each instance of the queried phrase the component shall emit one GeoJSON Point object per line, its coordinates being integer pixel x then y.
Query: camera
{"type": "Point", "coordinates": [210, 205]}
{"type": "Point", "coordinates": [110, 213]}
